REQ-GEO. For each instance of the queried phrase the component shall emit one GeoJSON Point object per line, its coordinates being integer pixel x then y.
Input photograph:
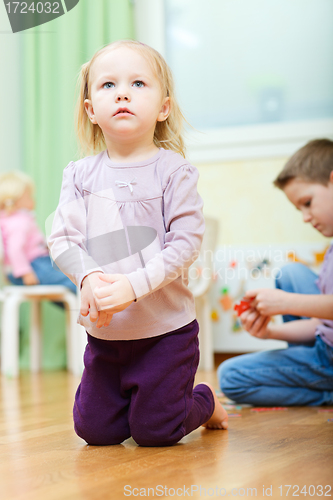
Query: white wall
{"type": "Point", "coordinates": [250, 210]}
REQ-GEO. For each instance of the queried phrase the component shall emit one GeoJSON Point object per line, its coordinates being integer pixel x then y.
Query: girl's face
{"type": "Point", "coordinates": [126, 98]}
{"type": "Point", "coordinates": [26, 201]}
{"type": "Point", "coordinates": [315, 201]}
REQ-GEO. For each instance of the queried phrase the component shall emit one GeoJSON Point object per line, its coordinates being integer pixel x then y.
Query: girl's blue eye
{"type": "Point", "coordinates": [108, 85]}
{"type": "Point", "coordinates": [138, 84]}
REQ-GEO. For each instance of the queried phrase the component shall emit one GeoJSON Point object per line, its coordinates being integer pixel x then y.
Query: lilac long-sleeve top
{"type": "Point", "coordinates": [143, 220]}
{"type": "Point", "coordinates": [325, 285]}
{"type": "Point", "coordinates": [22, 240]}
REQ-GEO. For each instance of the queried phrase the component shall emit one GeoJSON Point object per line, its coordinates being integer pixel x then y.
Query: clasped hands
{"type": "Point", "coordinates": [265, 303]}
{"type": "Point", "coordinates": [103, 295]}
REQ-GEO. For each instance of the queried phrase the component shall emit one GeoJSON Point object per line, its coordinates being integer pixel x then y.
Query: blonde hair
{"type": "Point", "coordinates": [168, 133]}
{"type": "Point", "coordinates": [12, 187]}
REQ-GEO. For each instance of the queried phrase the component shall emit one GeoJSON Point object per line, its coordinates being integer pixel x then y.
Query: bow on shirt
{"type": "Point", "coordinates": [126, 184]}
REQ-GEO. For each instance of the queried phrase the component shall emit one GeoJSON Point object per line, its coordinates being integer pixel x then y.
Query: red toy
{"type": "Point", "coordinates": [244, 305]}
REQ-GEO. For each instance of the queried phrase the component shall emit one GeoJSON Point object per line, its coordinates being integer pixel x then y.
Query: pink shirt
{"type": "Point", "coordinates": [22, 241]}
{"type": "Point", "coordinates": [143, 220]}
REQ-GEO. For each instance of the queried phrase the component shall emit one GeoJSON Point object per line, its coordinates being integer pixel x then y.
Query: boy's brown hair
{"type": "Point", "coordinates": [312, 163]}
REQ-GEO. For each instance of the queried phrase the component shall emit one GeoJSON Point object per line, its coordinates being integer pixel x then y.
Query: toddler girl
{"type": "Point", "coordinates": [128, 226]}
{"type": "Point", "coordinates": [26, 257]}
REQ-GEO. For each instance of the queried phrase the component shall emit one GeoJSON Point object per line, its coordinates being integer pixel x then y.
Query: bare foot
{"type": "Point", "coordinates": [219, 419]}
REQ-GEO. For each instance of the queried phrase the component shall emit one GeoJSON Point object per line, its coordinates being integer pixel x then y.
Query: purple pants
{"type": "Point", "coordinates": [141, 388]}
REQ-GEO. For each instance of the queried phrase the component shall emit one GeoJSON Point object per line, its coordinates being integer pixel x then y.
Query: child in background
{"type": "Point", "coordinates": [26, 257]}
{"type": "Point", "coordinates": [128, 226]}
{"type": "Point", "coordinates": [300, 374]}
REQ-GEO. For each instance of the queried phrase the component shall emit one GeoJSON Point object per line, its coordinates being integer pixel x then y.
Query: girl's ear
{"type": "Point", "coordinates": [90, 111]}
{"type": "Point", "coordinates": [165, 110]}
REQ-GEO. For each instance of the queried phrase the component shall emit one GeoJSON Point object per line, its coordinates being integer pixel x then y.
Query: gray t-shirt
{"type": "Point", "coordinates": [143, 220]}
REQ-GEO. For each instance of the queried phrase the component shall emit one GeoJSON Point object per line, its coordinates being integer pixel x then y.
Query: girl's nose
{"type": "Point", "coordinates": [122, 96]}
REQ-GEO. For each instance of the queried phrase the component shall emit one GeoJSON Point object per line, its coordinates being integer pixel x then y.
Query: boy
{"type": "Point", "coordinates": [303, 373]}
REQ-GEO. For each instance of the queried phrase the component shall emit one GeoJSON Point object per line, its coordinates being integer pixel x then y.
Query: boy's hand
{"type": "Point", "coordinates": [116, 295]}
{"type": "Point", "coordinates": [267, 301]}
{"type": "Point", "coordinates": [30, 279]}
{"type": "Point", "coordinates": [256, 324]}
{"type": "Point", "coordinates": [88, 304]}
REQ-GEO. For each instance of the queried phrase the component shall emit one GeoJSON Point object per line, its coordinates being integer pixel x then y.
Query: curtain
{"type": "Point", "coordinates": [51, 55]}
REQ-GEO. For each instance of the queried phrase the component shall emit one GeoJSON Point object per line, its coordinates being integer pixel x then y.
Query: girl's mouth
{"type": "Point", "coordinates": [123, 111]}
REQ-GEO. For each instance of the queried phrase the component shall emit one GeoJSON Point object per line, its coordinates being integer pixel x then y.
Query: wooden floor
{"type": "Point", "coordinates": [41, 458]}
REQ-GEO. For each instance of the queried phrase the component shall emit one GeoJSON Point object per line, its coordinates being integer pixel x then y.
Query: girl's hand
{"type": "Point", "coordinates": [256, 324]}
{"type": "Point", "coordinates": [267, 301]}
{"type": "Point", "coordinates": [30, 279]}
{"type": "Point", "coordinates": [88, 304]}
{"type": "Point", "coordinates": [115, 296]}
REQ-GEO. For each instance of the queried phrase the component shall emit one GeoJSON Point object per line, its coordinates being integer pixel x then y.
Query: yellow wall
{"type": "Point", "coordinates": [249, 208]}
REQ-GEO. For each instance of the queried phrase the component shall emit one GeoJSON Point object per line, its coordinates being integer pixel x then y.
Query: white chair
{"type": "Point", "coordinates": [200, 280]}
{"type": "Point", "coordinates": [11, 297]}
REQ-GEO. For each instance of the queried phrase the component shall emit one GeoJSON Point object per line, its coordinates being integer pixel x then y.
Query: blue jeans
{"type": "Point", "coordinates": [46, 274]}
{"type": "Point", "coordinates": [299, 375]}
